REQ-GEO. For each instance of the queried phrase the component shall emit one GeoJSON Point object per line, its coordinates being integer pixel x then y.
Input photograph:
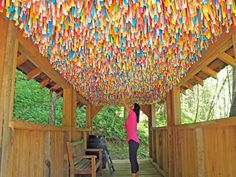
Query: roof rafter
{"type": "Point", "coordinates": [234, 42]}
{"type": "Point", "coordinates": [226, 58]}
{"type": "Point", "coordinates": [34, 73]}
{"type": "Point", "coordinates": [188, 85]}
{"type": "Point", "coordinates": [55, 87]}
{"type": "Point", "coordinates": [28, 49]}
{"type": "Point", "coordinates": [44, 83]}
{"type": "Point", "coordinates": [210, 72]}
{"type": "Point", "coordinates": [60, 93]}
{"type": "Point", "coordinates": [223, 43]}
{"type": "Point", "coordinates": [21, 59]}
{"type": "Point", "coordinates": [198, 79]}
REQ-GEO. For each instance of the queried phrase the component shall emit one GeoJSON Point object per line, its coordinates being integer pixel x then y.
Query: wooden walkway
{"type": "Point", "coordinates": [122, 168]}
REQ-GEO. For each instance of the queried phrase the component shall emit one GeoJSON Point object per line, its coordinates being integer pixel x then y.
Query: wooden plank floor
{"type": "Point", "coordinates": [122, 168]}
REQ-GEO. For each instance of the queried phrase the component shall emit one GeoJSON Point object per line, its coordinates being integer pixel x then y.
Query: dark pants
{"type": "Point", "coordinates": [133, 148]}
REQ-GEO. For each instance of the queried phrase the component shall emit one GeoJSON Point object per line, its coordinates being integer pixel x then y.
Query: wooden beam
{"type": "Point", "coordinates": [73, 117]}
{"type": "Point", "coordinates": [8, 56]}
{"type": "Point", "coordinates": [234, 43]}
{"type": "Point", "coordinates": [198, 79]}
{"type": "Point", "coordinates": [173, 119]}
{"type": "Point", "coordinates": [146, 109]}
{"type": "Point", "coordinates": [210, 72]}
{"type": "Point", "coordinates": [79, 104]}
{"type": "Point", "coordinates": [188, 85]}
{"type": "Point", "coordinates": [95, 110]}
{"type": "Point", "coordinates": [173, 107]}
{"type": "Point", "coordinates": [226, 58]}
{"type": "Point", "coordinates": [182, 90]}
{"type": "Point", "coordinates": [89, 122]}
{"type": "Point", "coordinates": [69, 111]}
{"type": "Point", "coordinates": [60, 93]}
{"type": "Point", "coordinates": [28, 49]}
{"type": "Point", "coordinates": [151, 124]}
{"type": "Point", "coordinates": [176, 105]}
{"type": "Point", "coordinates": [67, 104]}
{"type": "Point", "coordinates": [170, 124]}
{"type": "Point", "coordinates": [223, 43]}
{"type": "Point", "coordinates": [55, 87]}
{"type": "Point", "coordinates": [82, 99]}
{"type": "Point", "coordinates": [44, 82]}
{"type": "Point", "coordinates": [34, 73]}
{"type": "Point", "coordinates": [26, 125]}
{"type": "Point", "coordinates": [21, 59]}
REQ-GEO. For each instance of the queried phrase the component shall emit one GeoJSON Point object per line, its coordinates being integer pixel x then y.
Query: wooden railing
{"type": "Point", "coordinates": [39, 150]}
{"type": "Point", "coordinates": [206, 149]}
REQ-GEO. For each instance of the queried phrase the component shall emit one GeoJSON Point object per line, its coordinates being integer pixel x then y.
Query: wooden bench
{"type": "Point", "coordinates": [80, 163]}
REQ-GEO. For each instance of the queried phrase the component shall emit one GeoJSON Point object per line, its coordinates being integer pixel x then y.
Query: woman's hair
{"type": "Point", "coordinates": [137, 111]}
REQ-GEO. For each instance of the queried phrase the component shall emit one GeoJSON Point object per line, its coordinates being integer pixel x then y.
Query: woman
{"type": "Point", "coordinates": [132, 136]}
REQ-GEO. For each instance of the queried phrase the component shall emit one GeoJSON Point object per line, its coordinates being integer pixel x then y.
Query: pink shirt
{"type": "Point", "coordinates": [131, 126]}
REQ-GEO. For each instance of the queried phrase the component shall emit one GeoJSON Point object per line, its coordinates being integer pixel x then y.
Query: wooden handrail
{"type": "Point", "coordinates": [223, 122]}
{"type": "Point", "coordinates": [25, 125]}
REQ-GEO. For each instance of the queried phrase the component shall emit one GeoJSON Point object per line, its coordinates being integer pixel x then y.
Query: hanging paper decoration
{"type": "Point", "coordinates": [105, 47]}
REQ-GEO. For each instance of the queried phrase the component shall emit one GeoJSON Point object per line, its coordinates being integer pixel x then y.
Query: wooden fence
{"type": "Point", "coordinates": [39, 150]}
{"type": "Point", "coordinates": [200, 150]}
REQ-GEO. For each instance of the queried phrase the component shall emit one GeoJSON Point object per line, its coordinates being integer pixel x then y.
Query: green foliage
{"type": "Point", "coordinates": [161, 118]}
{"type": "Point", "coordinates": [81, 117]}
{"type": "Point", "coordinates": [109, 122]}
{"type": "Point", "coordinates": [210, 101]}
{"type": "Point", "coordinates": [32, 103]}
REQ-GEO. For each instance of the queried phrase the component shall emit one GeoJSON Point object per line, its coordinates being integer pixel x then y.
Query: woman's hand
{"type": "Point", "coordinates": [123, 96]}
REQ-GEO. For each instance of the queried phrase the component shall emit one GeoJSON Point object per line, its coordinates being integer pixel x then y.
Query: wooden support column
{"type": "Point", "coordinates": [69, 110]}
{"type": "Point", "coordinates": [173, 118]}
{"type": "Point", "coordinates": [91, 112]}
{"type": "Point", "coordinates": [152, 140]}
{"type": "Point", "coordinates": [89, 120]}
{"type": "Point", "coordinates": [8, 55]}
{"type": "Point", "coordinates": [73, 116]}
{"type": "Point", "coordinates": [233, 106]}
{"type": "Point", "coordinates": [95, 110]}
{"type": "Point", "coordinates": [149, 110]}
{"type": "Point", "coordinates": [69, 113]}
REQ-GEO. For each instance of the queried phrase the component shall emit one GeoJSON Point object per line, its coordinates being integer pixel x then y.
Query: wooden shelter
{"type": "Point", "coordinates": [30, 149]}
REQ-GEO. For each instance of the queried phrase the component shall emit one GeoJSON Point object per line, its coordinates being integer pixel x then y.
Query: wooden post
{"type": "Point", "coordinates": [91, 112]}
{"type": "Point", "coordinates": [173, 118]}
{"type": "Point", "coordinates": [95, 110]}
{"type": "Point", "coordinates": [151, 123]}
{"type": "Point", "coordinates": [234, 43]}
{"type": "Point", "coordinates": [73, 116]}
{"type": "Point", "coordinates": [67, 105]}
{"type": "Point", "coordinates": [150, 111]}
{"type": "Point", "coordinates": [154, 137]}
{"type": "Point", "coordinates": [8, 55]}
{"type": "Point", "coordinates": [69, 108]}
{"type": "Point", "coordinates": [233, 106]}
{"type": "Point", "coordinates": [89, 120]}
{"type": "Point", "coordinates": [147, 111]}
